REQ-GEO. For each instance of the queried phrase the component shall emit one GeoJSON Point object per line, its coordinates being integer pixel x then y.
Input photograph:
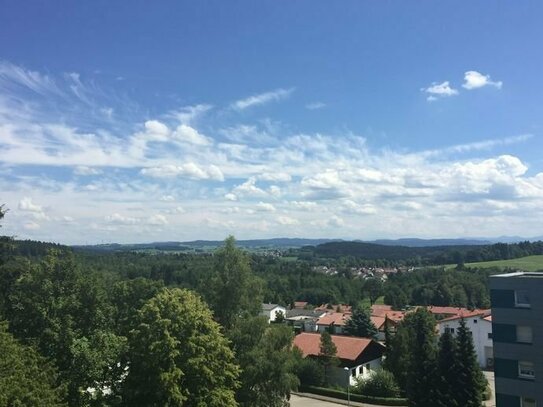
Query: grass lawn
{"type": "Point", "coordinates": [528, 263]}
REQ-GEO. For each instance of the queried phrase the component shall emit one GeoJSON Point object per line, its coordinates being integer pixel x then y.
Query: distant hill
{"type": "Point", "coordinates": [413, 242]}
{"type": "Point", "coordinates": [277, 243]}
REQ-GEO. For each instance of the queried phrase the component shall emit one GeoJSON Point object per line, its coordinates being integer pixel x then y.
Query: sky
{"type": "Point", "coordinates": [179, 120]}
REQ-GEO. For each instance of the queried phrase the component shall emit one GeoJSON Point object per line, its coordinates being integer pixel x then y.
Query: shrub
{"type": "Point", "coordinates": [380, 383]}
{"type": "Point", "coordinates": [310, 372]}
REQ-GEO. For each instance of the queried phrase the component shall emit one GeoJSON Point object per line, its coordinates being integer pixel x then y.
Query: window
{"type": "Point", "coordinates": [524, 334]}
{"type": "Point", "coordinates": [527, 402]}
{"type": "Point", "coordinates": [449, 330]}
{"type": "Point", "coordinates": [368, 367]}
{"type": "Point", "coordinates": [522, 299]}
{"type": "Point", "coordinates": [526, 370]}
{"type": "Point", "coordinates": [490, 335]}
{"type": "Point", "coordinates": [474, 321]}
{"type": "Point", "coordinates": [353, 372]}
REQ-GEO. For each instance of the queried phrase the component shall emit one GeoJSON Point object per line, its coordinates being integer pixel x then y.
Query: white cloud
{"type": "Point", "coordinates": [118, 219]}
{"type": "Point", "coordinates": [190, 135]}
{"type": "Point", "coordinates": [265, 207]}
{"type": "Point", "coordinates": [360, 209]}
{"type": "Point", "coordinates": [230, 197]}
{"type": "Point", "coordinates": [474, 80]}
{"type": "Point", "coordinates": [304, 205]}
{"type": "Point", "coordinates": [27, 205]}
{"type": "Point", "coordinates": [249, 188]}
{"type": "Point", "coordinates": [262, 98]}
{"type": "Point", "coordinates": [167, 198]}
{"type": "Point", "coordinates": [287, 221]}
{"type": "Point", "coordinates": [157, 220]}
{"type": "Point", "coordinates": [275, 176]}
{"type": "Point", "coordinates": [189, 170]}
{"type": "Point", "coordinates": [438, 90]}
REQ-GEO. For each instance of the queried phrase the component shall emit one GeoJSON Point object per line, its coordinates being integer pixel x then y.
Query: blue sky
{"type": "Point", "coordinates": [139, 121]}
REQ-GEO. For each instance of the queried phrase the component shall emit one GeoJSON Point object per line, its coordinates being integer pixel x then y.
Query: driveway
{"type": "Point", "coordinates": [299, 400]}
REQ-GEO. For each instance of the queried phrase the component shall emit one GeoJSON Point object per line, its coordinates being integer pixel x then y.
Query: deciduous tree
{"type": "Point", "coordinates": [178, 356]}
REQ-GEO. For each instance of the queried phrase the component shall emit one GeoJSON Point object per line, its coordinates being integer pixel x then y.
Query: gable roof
{"type": "Point", "coordinates": [348, 347]}
{"type": "Point", "coordinates": [270, 307]}
{"type": "Point", "coordinates": [300, 304]}
{"type": "Point", "coordinates": [334, 318]}
{"type": "Point", "coordinates": [469, 314]}
{"type": "Point", "coordinates": [335, 307]}
{"type": "Point", "coordinates": [452, 313]}
{"type": "Point", "coordinates": [379, 322]}
{"type": "Point", "coordinates": [387, 311]}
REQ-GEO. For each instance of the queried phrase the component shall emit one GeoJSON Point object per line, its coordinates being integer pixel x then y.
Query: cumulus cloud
{"type": "Point", "coordinates": [262, 98]}
{"type": "Point", "coordinates": [119, 219]}
{"type": "Point", "coordinates": [265, 207]}
{"type": "Point", "coordinates": [475, 80]}
{"type": "Point", "coordinates": [439, 90]}
{"type": "Point", "coordinates": [157, 220]}
{"type": "Point", "coordinates": [167, 198]}
{"type": "Point", "coordinates": [27, 205]}
{"type": "Point", "coordinates": [190, 135]}
{"type": "Point", "coordinates": [275, 176]}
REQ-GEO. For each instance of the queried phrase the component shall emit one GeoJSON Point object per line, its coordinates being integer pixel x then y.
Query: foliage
{"type": "Point", "coordinates": [309, 371]}
{"type": "Point", "coordinates": [447, 368]}
{"type": "Point", "coordinates": [327, 354]}
{"type": "Point", "coordinates": [26, 378]}
{"type": "Point", "coordinates": [380, 383]}
{"type": "Point", "coordinates": [178, 355]}
{"type": "Point", "coordinates": [360, 323]}
{"type": "Point", "coordinates": [422, 353]}
{"type": "Point", "coordinates": [264, 353]}
{"type": "Point", "coordinates": [233, 290]}
{"type": "Point", "coordinates": [471, 383]}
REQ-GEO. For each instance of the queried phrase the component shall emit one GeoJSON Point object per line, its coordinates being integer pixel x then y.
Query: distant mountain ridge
{"type": "Point", "coordinates": [293, 243]}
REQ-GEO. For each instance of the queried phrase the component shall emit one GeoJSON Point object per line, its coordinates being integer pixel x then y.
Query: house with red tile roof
{"type": "Point", "coordinates": [360, 356]}
{"type": "Point", "coordinates": [333, 322]}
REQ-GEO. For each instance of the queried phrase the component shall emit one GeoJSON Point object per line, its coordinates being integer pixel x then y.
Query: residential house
{"type": "Point", "coordinates": [333, 322]}
{"type": "Point", "coordinates": [480, 325]}
{"type": "Point", "coordinates": [360, 356]}
{"type": "Point", "coordinates": [270, 311]}
{"type": "Point", "coordinates": [304, 320]}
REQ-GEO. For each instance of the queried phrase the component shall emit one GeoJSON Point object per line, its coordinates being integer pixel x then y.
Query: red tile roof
{"type": "Point", "coordinates": [348, 347]}
{"type": "Point", "coordinates": [457, 313]}
{"type": "Point", "coordinates": [387, 311]}
{"type": "Point", "coordinates": [488, 318]}
{"type": "Point", "coordinates": [300, 304]}
{"type": "Point", "coordinates": [334, 318]}
{"type": "Point", "coordinates": [334, 307]}
{"type": "Point", "coordinates": [379, 322]}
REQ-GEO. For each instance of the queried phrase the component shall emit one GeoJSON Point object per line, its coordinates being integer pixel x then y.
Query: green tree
{"type": "Point", "coordinates": [178, 356]}
{"type": "Point", "coordinates": [397, 354]}
{"type": "Point", "coordinates": [360, 323]}
{"type": "Point", "coordinates": [374, 288]}
{"type": "Point", "coordinates": [233, 291]}
{"type": "Point", "coordinates": [56, 308]}
{"type": "Point", "coordinates": [380, 383]}
{"type": "Point", "coordinates": [422, 358]}
{"type": "Point", "coordinates": [447, 372]}
{"type": "Point", "coordinates": [264, 353]}
{"type": "Point", "coordinates": [327, 354]}
{"type": "Point", "coordinates": [26, 378]}
{"type": "Point", "coordinates": [471, 382]}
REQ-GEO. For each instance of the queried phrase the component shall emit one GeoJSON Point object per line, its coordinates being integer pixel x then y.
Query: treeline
{"type": "Point", "coordinates": [368, 253]}
{"type": "Point", "coordinates": [83, 330]}
{"type": "Point", "coordinates": [433, 286]}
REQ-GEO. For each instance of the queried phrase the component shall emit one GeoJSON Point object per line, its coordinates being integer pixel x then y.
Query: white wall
{"type": "Point", "coordinates": [271, 314]}
{"type": "Point", "coordinates": [361, 371]}
{"type": "Point", "coordinates": [479, 330]}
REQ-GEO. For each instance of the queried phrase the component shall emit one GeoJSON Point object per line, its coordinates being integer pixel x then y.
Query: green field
{"type": "Point", "coordinates": [528, 263]}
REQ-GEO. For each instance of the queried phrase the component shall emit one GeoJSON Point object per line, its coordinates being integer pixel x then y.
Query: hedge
{"type": "Point", "coordinates": [323, 391]}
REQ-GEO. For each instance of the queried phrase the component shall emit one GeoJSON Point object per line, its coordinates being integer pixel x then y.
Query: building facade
{"type": "Point", "coordinates": [481, 331]}
{"type": "Point", "coordinates": [517, 330]}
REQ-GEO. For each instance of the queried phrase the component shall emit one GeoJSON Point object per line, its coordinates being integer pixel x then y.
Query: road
{"type": "Point", "coordinates": [298, 401]}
